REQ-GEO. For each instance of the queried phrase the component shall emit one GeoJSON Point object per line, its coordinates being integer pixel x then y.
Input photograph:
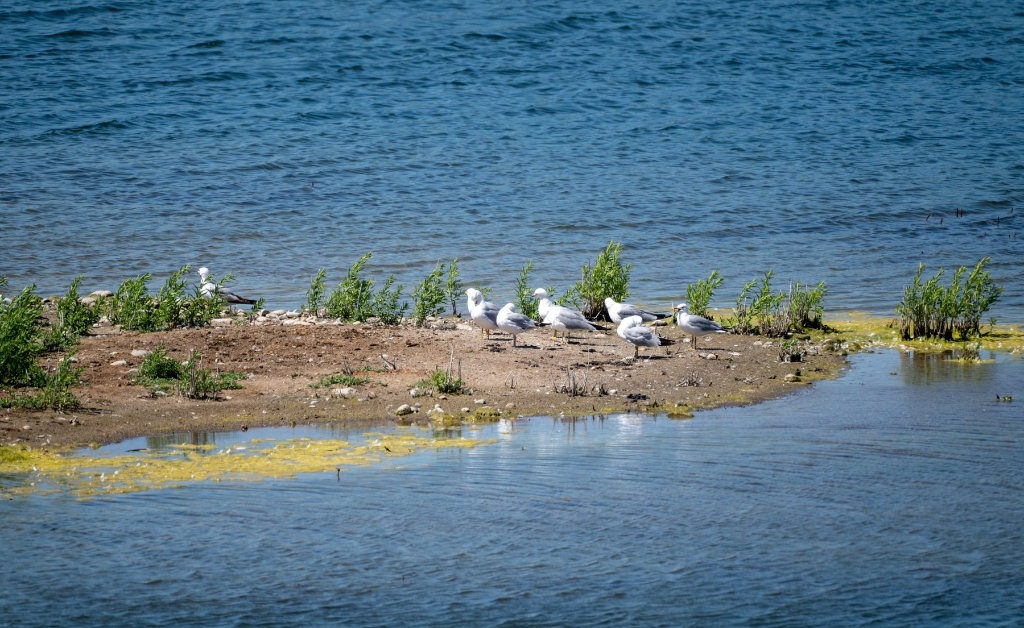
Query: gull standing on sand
{"type": "Point", "coordinates": [208, 288]}
{"type": "Point", "coordinates": [483, 313]}
{"type": "Point", "coordinates": [562, 318]}
{"type": "Point", "coordinates": [633, 331]}
{"type": "Point", "coordinates": [620, 311]}
{"type": "Point", "coordinates": [513, 322]}
{"type": "Point", "coordinates": [695, 325]}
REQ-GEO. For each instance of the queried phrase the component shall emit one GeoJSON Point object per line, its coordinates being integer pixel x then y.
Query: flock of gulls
{"type": "Point", "coordinates": [630, 319]}
{"type": "Point", "coordinates": [489, 317]}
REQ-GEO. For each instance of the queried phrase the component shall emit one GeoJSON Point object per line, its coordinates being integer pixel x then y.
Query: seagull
{"type": "Point", "coordinates": [633, 331]}
{"type": "Point", "coordinates": [513, 322]}
{"type": "Point", "coordinates": [483, 313]}
{"type": "Point", "coordinates": [208, 288]}
{"type": "Point", "coordinates": [562, 318]}
{"type": "Point", "coordinates": [620, 311]}
{"type": "Point", "coordinates": [695, 325]}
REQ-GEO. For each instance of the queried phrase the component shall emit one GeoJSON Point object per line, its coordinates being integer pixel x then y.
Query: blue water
{"type": "Point", "coordinates": [275, 138]}
{"type": "Point", "coordinates": [870, 500]}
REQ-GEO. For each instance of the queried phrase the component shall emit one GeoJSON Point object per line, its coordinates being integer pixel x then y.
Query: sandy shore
{"type": "Point", "coordinates": [281, 361]}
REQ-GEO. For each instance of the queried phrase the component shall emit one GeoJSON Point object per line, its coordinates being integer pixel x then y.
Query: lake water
{"type": "Point", "coordinates": [275, 138]}
{"type": "Point", "coordinates": [878, 499]}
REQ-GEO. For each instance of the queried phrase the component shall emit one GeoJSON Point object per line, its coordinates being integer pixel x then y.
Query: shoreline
{"type": "Point", "coordinates": [281, 359]}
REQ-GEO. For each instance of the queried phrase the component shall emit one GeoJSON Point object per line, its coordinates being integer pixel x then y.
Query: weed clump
{"type": "Point", "coordinates": [74, 318]}
{"type": "Point", "coordinates": [606, 278]}
{"type": "Point", "coordinates": [699, 295]}
{"type": "Point", "coordinates": [929, 310]}
{"type": "Point", "coordinates": [453, 287]}
{"type": "Point", "coordinates": [354, 299]}
{"type": "Point", "coordinates": [198, 383]}
{"type": "Point", "coordinates": [429, 297]}
{"type": "Point", "coordinates": [524, 295]}
{"type": "Point", "coordinates": [346, 379]}
{"type": "Point", "coordinates": [134, 308]}
{"type": "Point", "coordinates": [775, 314]}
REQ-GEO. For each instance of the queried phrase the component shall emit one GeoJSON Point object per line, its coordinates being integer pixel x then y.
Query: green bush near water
{"type": "Point", "coordinates": [429, 297]}
{"type": "Point", "coordinates": [354, 299]}
{"type": "Point", "coordinates": [929, 310]}
{"type": "Point", "coordinates": [608, 277]}
{"type": "Point", "coordinates": [775, 314]}
{"type": "Point", "coordinates": [135, 309]}
{"type": "Point", "coordinates": [699, 295]}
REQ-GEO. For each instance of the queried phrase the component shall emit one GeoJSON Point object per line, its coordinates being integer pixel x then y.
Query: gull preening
{"type": "Point", "coordinates": [695, 325]}
{"type": "Point", "coordinates": [562, 318]}
{"type": "Point", "coordinates": [620, 311]}
{"type": "Point", "coordinates": [513, 322]}
{"type": "Point", "coordinates": [483, 313]}
{"type": "Point", "coordinates": [208, 288]}
{"type": "Point", "coordinates": [633, 331]}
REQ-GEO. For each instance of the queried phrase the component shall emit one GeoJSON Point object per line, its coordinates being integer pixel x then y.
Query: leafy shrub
{"type": "Point", "coordinates": [453, 287]}
{"type": "Point", "coordinates": [524, 295]}
{"type": "Point", "coordinates": [159, 365]}
{"type": "Point", "coordinates": [699, 296]}
{"type": "Point", "coordinates": [134, 308]}
{"type": "Point", "coordinates": [806, 305]}
{"type": "Point", "coordinates": [930, 310]}
{"type": "Point", "coordinates": [21, 339]}
{"type": "Point", "coordinates": [345, 379]}
{"type": "Point", "coordinates": [607, 278]}
{"type": "Point", "coordinates": [444, 382]}
{"type": "Point", "coordinates": [429, 296]}
{"type": "Point", "coordinates": [315, 293]}
{"type": "Point", "coordinates": [385, 304]}
{"type": "Point", "coordinates": [352, 300]}
{"type": "Point", "coordinates": [74, 318]}
{"type": "Point", "coordinates": [198, 383]}
{"type": "Point", "coordinates": [776, 314]}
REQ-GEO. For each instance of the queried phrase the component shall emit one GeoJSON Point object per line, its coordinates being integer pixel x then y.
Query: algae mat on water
{"type": "Point", "coordinates": [27, 472]}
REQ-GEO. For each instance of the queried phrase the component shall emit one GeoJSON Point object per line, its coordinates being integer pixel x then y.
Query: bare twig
{"type": "Point", "coordinates": [392, 364]}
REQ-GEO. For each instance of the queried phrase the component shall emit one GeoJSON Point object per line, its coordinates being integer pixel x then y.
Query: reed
{"type": "Point", "coordinates": [930, 310]}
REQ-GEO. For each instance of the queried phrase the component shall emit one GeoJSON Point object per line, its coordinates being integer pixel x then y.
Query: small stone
{"type": "Point", "coordinates": [417, 405]}
{"type": "Point", "coordinates": [101, 294]}
{"type": "Point", "coordinates": [343, 392]}
{"type": "Point", "coordinates": [88, 301]}
{"type": "Point", "coordinates": [278, 313]}
{"type": "Point", "coordinates": [479, 402]}
{"type": "Point", "coordinates": [465, 409]}
{"type": "Point", "coordinates": [140, 353]}
{"type": "Point", "coordinates": [509, 406]}
{"type": "Point", "coordinates": [119, 363]}
{"type": "Point", "coordinates": [791, 378]}
{"type": "Point", "coordinates": [613, 391]}
{"type": "Point", "coordinates": [709, 356]}
{"type": "Point", "coordinates": [372, 395]}
{"type": "Point", "coordinates": [443, 397]}
{"type": "Point", "coordinates": [263, 312]}
{"type": "Point", "coordinates": [262, 319]}
{"type": "Point", "coordinates": [403, 410]}
{"type": "Point", "coordinates": [292, 314]}
{"type": "Point", "coordinates": [222, 322]}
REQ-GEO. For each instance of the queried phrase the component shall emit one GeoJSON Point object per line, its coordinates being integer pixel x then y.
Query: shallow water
{"type": "Point", "coordinates": [872, 499]}
{"type": "Point", "coordinates": [275, 138]}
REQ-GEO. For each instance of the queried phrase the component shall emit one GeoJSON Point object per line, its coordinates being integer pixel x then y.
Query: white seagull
{"type": "Point", "coordinates": [562, 318]}
{"type": "Point", "coordinates": [695, 325]}
{"type": "Point", "coordinates": [633, 331]}
{"type": "Point", "coordinates": [483, 313]}
{"type": "Point", "coordinates": [619, 311]}
{"type": "Point", "coordinates": [208, 288]}
{"type": "Point", "coordinates": [513, 322]}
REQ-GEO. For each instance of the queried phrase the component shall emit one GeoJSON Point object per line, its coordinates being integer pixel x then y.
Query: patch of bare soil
{"type": "Point", "coordinates": [281, 361]}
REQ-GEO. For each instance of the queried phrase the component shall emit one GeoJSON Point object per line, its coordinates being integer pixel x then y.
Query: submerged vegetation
{"type": "Point", "coordinates": [930, 310]}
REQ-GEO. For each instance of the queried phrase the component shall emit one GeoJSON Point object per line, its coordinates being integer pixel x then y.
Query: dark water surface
{"type": "Point", "coordinates": [873, 499]}
{"type": "Point", "coordinates": [814, 138]}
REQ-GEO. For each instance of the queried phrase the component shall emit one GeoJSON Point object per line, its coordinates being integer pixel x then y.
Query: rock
{"type": "Point", "coordinates": [417, 406]}
{"type": "Point", "coordinates": [222, 322]}
{"type": "Point", "coordinates": [613, 391]}
{"type": "Point", "coordinates": [101, 294]}
{"type": "Point", "coordinates": [403, 410]}
{"type": "Point", "coordinates": [140, 353]}
{"type": "Point", "coordinates": [420, 392]}
{"type": "Point", "coordinates": [480, 402]}
{"type": "Point", "coordinates": [263, 312]}
{"type": "Point", "coordinates": [292, 314]}
{"type": "Point", "coordinates": [73, 360]}
{"type": "Point", "coordinates": [709, 356]}
{"type": "Point", "coordinates": [294, 321]}
{"type": "Point", "coordinates": [262, 319]}
{"type": "Point", "coordinates": [372, 395]}
{"type": "Point", "coordinates": [463, 327]}
{"type": "Point", "coordinates": [509, 406]}
{"type": "Point", "coordinates": [88, 301]}
{"type": "Point", "coordinates": [792, 378]}
{"type": "Point", "coordinates": [103, 320]}
{"type": "Point", "coordinates": [119, 363]}
{"type": "Point", "coordinates": [278, 313]}
{"type": "Point", "coordinates": [373, 320]}
{"type": "Point", "coordinates": [465, 409]}
{"type": "Point", "coordinates": [343, 392]}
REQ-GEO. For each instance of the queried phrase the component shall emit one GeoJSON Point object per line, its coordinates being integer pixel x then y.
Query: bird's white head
{"type": "Point", "coordinates": [509, 307]}
{"type": "Point", "coordinates": [540, 293]}
{"type": "Point", "coordinates": [204, 272]}
{"type": "Point", "coordinates": [609, 302]}
{"type": "Point", "coordinates": [680, 308]}
{"type": "Point", "coordinates": [631, 321]}
{"type": "Point", "coordinates": [474, 295]}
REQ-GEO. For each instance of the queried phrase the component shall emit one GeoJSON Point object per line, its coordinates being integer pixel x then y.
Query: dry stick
{"type": "Point", "coordinates": [393, 364]}
{"type": "Point", "coordinates": [512, 386]}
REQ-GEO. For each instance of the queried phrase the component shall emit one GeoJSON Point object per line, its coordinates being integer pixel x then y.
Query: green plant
{"type": "Point", "coordinates": [453, 287]}
{"type": "Point", "coordinates": [74, 318]}
{"type": "Point", "coordinates": [257, 307]}
{"type": "Point", "coordinates": [524, 295]}
{"type": "Point", "coordinates": [159, 365]}
{"type": "Point", "coordinates": [385, 304]}
{"type": "Point", "coordinates": [134, 308]}
{"type": "Point", "coordinates": [743, 322]}
{"type": "Point", "coordinates": [345, 379]}
{"type": "Point", "coordinates": [929, 310]}
{"type": "Point", "coordinates": [198, 383]}
{"type": "Point", "coordinates": [352, 300]}
{"type": "Point", "coordinates": [315, 293]}
{"type": "Point", "coordinates": [699, 296]}
{"type": "Point", "coordinates": [606, 278]}
{"type": "Point", "coordinates": [806, 305]}
{"type": "Point", "coordinates": [21, 339]}
{"type": "Point", "coordinates": [769, 309]}
{"type": "Point", "coordinates": [429, 297]}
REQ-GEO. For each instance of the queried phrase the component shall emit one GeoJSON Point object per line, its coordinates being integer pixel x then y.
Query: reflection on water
{"type": "Point", "coordinates": [866, 500]}
{"type": "Point", "coordinates": [937, 368]}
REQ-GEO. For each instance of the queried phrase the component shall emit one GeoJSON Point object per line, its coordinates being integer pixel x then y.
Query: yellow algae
{"type": "Point", "coordinates": [859, 330]}
{"type": "Point", "coordinates": [86, 475]}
